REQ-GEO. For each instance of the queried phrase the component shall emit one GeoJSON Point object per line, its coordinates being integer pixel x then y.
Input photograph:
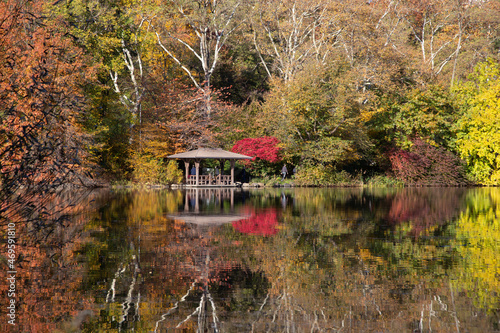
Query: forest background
{"type": "Point", "coordinates": [346, 92]}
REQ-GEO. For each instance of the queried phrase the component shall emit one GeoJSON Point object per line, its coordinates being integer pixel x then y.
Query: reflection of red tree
{"type": "Point", "coordinates": [259, 223]}
{"type": "Point", "coordinates": [424, 208]}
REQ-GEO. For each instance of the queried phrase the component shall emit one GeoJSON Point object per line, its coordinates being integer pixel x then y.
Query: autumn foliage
{"type": "Point", "coordinates": [110, 81]}
{"type": "Point", "coordinates": [425, 164]}
{"type": "Point", "coordinates": [40, 98]}
{"type": "Point", "coordinates": [265, 152]}
{"type": "Point", "coordinates": [264, 148]}
{"type": "Point", "coordinates": [41, 141]}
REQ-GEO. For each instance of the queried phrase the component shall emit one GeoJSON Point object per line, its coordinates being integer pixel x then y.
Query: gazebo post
{"type": "Point", "coordinates": [186, 164]}
{"type": "Point", "coordinates": [232, 199]}
{"type": "Point", "coordinates": [232, 171]}
{"type": "Point", "coordinates": [197, 165]}
{"type": "Point", "coordinates": [221, 170]}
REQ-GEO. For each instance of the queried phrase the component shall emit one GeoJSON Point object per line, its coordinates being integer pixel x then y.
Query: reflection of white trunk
{"type": "Point", "coordinates": [214, 312]}
{"type": "Point", "coordinates": [201, 311]}
{"type": "Point", "coordinates": [137, 315]}
{"type": "Point", "coordinates": [128, 300]}
{"type": "Point", "coordinates": [202, 314]}
{"type": "Point", "coordinates": [127, 305]}
{"type": "Point", "coordinates": [422, 315]}
{"type": "Point", "coordinates": [260, 311]}
{"type": "Point", "coordinates": [457, 322]}
{"type": "Point", "coordinates": [197, 311]}
{"type": "Point", "coordinates": [110, 297]}
{"type": "Point", "coordinates": [176, 305]}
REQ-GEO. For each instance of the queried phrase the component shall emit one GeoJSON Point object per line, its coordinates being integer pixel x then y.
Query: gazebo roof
{"type": "Point", "coordinates": [210, 153]}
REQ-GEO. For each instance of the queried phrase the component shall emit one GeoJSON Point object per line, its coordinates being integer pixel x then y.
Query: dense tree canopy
{"type": "Point", "coordinates": [41, 103]}
{"type": "Point", "coordinates": [339, 83]}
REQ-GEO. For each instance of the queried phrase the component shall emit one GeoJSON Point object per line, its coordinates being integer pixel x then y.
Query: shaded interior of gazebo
{"type": "Point", "coordinates": [196, 156]}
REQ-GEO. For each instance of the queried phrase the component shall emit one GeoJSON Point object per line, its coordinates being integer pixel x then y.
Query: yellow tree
{"type": "Point", "coordinates": [478, 140]}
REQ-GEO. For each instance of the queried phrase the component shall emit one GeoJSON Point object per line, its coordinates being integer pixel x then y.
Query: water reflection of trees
{"type": "Point", "coordinates": [425, 207]}
{"type": "Point", "coordinates": [49, 277]}
{"type": "Point", "coordinates": [344, 260]}
{"type": "Point", "coordinates": [478, 244]}
{"type": "Point", "coordinates": [339, 259]}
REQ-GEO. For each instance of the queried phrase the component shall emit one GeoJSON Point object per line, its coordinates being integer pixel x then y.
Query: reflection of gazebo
{"type": "Point", "coordinates": [204, 220]}
{"type": "Point", "coordinates": [209, 153]}
{"type": "Point", "coordinates": [213, 217]}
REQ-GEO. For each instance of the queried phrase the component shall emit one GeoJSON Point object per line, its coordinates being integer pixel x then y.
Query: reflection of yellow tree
{"type": "Point", "coordinates": [146, 229]}
{"type": "Point", "coordinates": [478, 237]}
{"type": "Point", "coordinates": [151, 205]}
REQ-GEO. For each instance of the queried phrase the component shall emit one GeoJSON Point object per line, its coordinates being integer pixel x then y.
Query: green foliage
{"type": "Point", "coordinates": [315, 117]}
{"type": "Point", "coordinates": [99, 26]}
{"type": "Point", "coordinates": [108, 123]}
{"type": "Point", "coordinates": [173, 175]}
{"type": "Point", "coordinates": [478, 131]}
{"type": "Point", "coordinates": [268, 180]}
{"type": "Point", "coordinates": [262, 168]}
{"type": "Point", "coordinates": [383, 181]}
{"type": "Point", "coordinates": [151, 170]}
{"type": "Point", "coordinates": [428, 113]}
{"type": "Point", "coordinates": [239, 73]}
{"type": "Point", "coordinates": [322, 175]}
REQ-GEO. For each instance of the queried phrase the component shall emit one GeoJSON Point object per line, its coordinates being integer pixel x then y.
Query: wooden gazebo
{"type": "Point", "coordinates": [222, 156]}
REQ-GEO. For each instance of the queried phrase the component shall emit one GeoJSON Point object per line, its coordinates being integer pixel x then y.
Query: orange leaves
{"type": "Point", "coordinates": [42, 72]}
{"type": "Point", "coordinates": [180, 118]}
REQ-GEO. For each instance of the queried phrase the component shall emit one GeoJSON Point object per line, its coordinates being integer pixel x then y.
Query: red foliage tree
{"type": "Point", "coordinates": [264, 150]}
{"type": "Point", "coordinates": [427, 165]}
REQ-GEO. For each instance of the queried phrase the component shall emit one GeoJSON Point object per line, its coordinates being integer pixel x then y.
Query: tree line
{"type": "Point", "coordinates": [403, 90]}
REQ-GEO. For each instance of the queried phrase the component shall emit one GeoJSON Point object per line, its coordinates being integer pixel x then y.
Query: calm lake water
{"type": "Point", "coordinates": [272, 260]}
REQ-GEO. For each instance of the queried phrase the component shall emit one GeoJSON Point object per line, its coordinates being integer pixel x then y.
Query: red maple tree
{"type": "Point", "coordinates": [265, 152]}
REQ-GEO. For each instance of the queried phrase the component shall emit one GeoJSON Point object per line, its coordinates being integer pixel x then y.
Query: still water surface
{"type": "Point", "coordinates": [273, 260]}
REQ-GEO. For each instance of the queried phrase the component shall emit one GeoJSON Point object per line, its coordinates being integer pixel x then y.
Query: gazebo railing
{"type": "Point", "coordinates": [209, 180]}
